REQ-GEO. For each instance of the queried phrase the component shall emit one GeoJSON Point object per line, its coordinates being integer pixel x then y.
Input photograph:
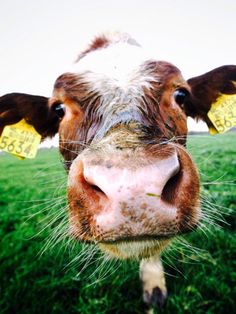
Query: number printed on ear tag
{"type": "Point", "coordinates": [20, 139]}
{"type": "Point", "coordinates": [223, 113]}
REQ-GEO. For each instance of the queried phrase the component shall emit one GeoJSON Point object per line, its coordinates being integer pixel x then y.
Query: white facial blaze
{"type": "Point", "coordinates": [117, 65]}
{"type": "Point", "coordinates": [118, 75]}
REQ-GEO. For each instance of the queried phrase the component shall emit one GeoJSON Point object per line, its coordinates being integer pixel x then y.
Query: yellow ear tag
{"type": "Point", "coordinates": [223, 114]}
{"type": "Point", "coordinates": [20, 140]}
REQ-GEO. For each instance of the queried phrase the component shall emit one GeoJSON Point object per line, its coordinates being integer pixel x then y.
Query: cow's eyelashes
{"type": "Point", "coordinates": [180, 96]}
{"type": "Point", "coordinates": [59, 109]}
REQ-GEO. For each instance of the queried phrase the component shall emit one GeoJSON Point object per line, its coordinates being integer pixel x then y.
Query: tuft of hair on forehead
{"type": "Point", "coordinates": [107, 39]}
{"type": "Point", "coordinates": [112, 60]}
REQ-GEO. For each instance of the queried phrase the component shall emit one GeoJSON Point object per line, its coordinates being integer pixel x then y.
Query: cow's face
{"type": "Point", "coordinates": [121, 118]}
{"type": "Point", "coordinates": [132, 186]}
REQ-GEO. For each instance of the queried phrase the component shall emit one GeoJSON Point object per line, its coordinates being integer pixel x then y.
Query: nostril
{"type": "Point", "coordinates": [96, 188]}
{"type": "Point", "coordinates": [170, 190]}
{"type": "Point", "coordinates": [90, 185]}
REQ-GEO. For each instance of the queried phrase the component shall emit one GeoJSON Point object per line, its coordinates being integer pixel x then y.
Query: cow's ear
{"type": "Point", "coordinates": [36, 110]}
{"type": "Point", "coordinates": [206, 88]}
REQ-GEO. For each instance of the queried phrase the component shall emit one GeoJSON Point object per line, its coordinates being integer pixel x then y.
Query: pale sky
{"type": "Point", "coordinates": [40, 40]}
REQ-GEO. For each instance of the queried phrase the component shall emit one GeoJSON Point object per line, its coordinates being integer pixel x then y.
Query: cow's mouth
{"type": "Point", "coordinates": [139, 246]}
{"type": "Point", "coordinates": [138, 238]}
{"type": "Point", "coordinates": [145, 237]}
{"type": "Point", "coordinates": [134, 248]}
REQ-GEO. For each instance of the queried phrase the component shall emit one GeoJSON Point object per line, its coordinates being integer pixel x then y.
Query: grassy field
{"type": "Point", "coordinates": [41, 274]}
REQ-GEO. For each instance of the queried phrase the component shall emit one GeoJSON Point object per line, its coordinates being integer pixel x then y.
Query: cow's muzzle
{"type": "Point", "coordinates": [133, 194]}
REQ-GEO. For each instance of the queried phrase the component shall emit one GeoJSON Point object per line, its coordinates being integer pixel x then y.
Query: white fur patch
{"type": "Point", "coordinates": [118, 63]}
{"type": "Point", "coordinates": [117, 73]}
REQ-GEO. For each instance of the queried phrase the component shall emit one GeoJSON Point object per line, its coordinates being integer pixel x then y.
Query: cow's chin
{"type": "Point", "coordinates": [134, 249]}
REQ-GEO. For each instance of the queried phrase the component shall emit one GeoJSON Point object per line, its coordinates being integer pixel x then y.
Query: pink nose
{"type": "Point", "coordinates": [121, 184]}
{"type": "Point", "coordinates": [124, 197]}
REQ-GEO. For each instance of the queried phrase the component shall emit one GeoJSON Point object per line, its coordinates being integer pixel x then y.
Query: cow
{"type": "Point", "coordinates": [121, 116]}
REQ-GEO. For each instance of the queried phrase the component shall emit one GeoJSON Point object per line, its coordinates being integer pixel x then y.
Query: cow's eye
{"type": "Point", "coordinates": [180, 95]}
{"type": "Point", "coordinates": [60, 110]}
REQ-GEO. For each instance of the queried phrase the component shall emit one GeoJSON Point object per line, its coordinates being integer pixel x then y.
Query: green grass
{"type": "Point", "coordinates": [30, 282]}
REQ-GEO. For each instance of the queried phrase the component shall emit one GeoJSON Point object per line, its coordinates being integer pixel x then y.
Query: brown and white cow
{"type": "Point", "coordinates": [121, 117]}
